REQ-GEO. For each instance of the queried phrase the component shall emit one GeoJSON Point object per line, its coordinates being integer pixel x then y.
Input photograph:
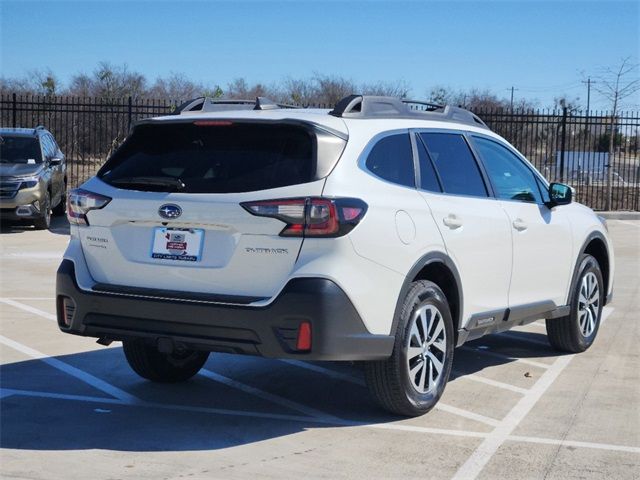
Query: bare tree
{"type": "Point", "coordinates": [399, 89]}
{"type": "Point", "coordinates": [332, 88]}
{"type": "Point", "coordinates": [616, 84]}
{"type": "Point", "coordinates": [175, 87]}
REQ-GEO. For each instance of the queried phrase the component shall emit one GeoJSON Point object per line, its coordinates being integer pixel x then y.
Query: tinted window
{"type": "Point", "coordinates": [428, 177]}
{"type": "Point", "coordinates": [391, 159]}
{"type": "Point", "coordinates": [511, 178]}
{"type": "Point", "coordinates": [19, 149]}
{"type": "Point", "coordinates": [456, 166]}
{"type": "Point", "coordinates": [239, 157]}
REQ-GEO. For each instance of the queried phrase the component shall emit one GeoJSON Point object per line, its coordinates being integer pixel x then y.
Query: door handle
{"type": "Point", "coordinates": [520, 225]}
{"type": "Point", "coordinates": [452, 221]}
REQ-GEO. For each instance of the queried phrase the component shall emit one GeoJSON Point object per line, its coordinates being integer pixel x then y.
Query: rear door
{"type": "Point", "coordinates": [473, 225]}
{"type": "Point", "coordinates": [542, 245]}
{"type": "Point", "coordinates": [204, 171]}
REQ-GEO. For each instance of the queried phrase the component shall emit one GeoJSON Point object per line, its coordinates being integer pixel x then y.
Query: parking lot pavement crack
{"type": "Point", "coordinates": [578, 405]}
{"type": "Point", "coordinates": [470, 469]}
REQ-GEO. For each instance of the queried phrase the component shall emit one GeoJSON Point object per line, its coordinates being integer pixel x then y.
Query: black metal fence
{"type": "Point", "coordinates": [573, 147]}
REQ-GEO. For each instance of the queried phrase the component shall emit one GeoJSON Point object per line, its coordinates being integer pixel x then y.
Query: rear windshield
{"type": "Point", "coordinates": [213, 157]}
{"type": "Point", "coordinates": [16, 149]}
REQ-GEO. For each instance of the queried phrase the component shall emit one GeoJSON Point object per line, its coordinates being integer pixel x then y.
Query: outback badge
{"type": "Point", "coordinates": [170, 211]}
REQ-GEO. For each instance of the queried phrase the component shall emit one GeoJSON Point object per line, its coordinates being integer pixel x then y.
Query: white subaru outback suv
{"type": "Point", "coordinates": [382, 231]}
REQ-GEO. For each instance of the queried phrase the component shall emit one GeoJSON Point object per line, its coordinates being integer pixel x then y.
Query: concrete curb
{"type": "Point", "coordinates": [620, 215]}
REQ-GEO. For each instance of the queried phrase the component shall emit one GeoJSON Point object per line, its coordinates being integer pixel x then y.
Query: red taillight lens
{"type": "Point", "coordinates": [80, 202]}
{"type": "Point", "coordinates": [313, 216]}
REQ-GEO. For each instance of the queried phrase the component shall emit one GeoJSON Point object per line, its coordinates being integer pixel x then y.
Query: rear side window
{"type": "Point", "coordinates": [392, 159]}
{"type": "Point", "coordinates": [456, 166]}
{"type": "Point", "coordinates": [223, 157]}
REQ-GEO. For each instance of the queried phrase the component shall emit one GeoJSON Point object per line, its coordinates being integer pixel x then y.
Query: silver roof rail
{"type": "Point", "coordinates": [207, 104]}
{"type": "Point", "coordinates": [369, 106]}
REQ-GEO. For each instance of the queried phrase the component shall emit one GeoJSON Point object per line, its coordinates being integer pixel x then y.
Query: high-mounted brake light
{"type": "Point", "coordinates": [312, 216]}
{"type": "Point", "coordinates": [212, 123]}
{"type": "Point", "coordinates": [80, 202]}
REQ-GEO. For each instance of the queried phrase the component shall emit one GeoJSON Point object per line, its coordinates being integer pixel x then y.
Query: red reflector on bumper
{"type": "Point", "coordinates": [304, 337]}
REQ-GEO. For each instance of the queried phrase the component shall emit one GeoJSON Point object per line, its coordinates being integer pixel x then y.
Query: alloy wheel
{"type": "Point", "coordinates": [426, 348]}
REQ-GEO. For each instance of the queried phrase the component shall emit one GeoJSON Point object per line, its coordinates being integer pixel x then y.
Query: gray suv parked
{"type": "Point", "coordinates": [33, 176]}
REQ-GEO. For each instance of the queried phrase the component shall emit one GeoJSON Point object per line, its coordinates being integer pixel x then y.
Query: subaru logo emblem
{"type": "Point", "coordinates": [169, 210]}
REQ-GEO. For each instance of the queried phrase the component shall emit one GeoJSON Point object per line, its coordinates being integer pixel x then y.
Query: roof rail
{"type": "Point", "coordinates": [208, 104]}
{"type": "Point", "coordinates": [369, 106]}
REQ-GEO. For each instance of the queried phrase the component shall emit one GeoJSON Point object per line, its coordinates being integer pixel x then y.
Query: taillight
{"type": "Point", "coordinates": [80, 202]}
{"type": "Point", "coordinates": [313, 216]}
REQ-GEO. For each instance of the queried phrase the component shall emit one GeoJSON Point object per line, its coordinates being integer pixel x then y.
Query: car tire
{"type": "Point", "coordinates": [43, 222]}
{"type": "Point", "coordinates": [577, 331]}
{"type": "Point", "coordinates": [405, 383]}
{"type": "Point", "coordinates": [61, 208]}
{"type": "Point", "coordinates": [149, 363]}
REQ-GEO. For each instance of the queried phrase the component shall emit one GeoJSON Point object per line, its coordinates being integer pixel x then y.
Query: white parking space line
{"type": "Point", "coordinates": [33, 298]}
{"type": "Point", "coordinates": [305, 419]}
{"type": "Point", "coordinates": [167, 406]}
{"type": "Point", "coordinates": [62, 396]}
{"type": "Point", "coordinates": [572, 443]}
{"type": "Point", "coordinates": [28, 308]}
{"type": "Point", "coordinates": [358, 381]}
{"type": "Point", "coordinates": [268, 396]}
{"type": "Point", "coordinates": [633, 224]}
{"type": "Point", "coordinates": [481, 456]}
{"type": "Point", "coordinates": [70, 370]}
{"type": "Point", "coordinates": [467, 414]}
{"type": "Point", "coordinates": [493, 383]}
{"type": "Point", "coordinates": [34, 255]}
{"type": "Point", "coordinates": [518, 338]}
{"type": "Point", "coordinates": [326, 371]}
{"type": "Point", "coordinates": [502, 356]}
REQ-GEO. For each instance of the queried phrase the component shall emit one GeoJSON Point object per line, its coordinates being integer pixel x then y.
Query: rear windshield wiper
{"type": "Point", "coordinates": [172, 182]}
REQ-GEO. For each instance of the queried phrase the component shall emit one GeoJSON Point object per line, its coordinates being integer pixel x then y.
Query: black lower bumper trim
{"type": "Point", "coordinates": [338, 332]}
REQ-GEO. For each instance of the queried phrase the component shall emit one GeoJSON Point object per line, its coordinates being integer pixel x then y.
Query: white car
{"type": "Point", "coordinates": [382, 231]}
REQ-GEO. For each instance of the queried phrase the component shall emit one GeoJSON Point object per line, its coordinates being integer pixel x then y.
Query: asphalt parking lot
{"type": "Point", "coordinates": [514, 408]}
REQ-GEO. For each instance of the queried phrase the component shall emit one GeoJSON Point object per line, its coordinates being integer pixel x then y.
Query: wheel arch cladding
{"type": "Point", "coordinates": [596, 246]}
{"type": "Point", "coordinates": [439, 269]}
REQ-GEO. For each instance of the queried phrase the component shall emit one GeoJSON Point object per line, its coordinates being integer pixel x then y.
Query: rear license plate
{"type": "Point", "coordinates": [183, 244]}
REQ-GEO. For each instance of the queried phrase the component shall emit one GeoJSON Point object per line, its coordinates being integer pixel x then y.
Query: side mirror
{"type": "Point", "coordinates": [55, 161]}
{"type": "Point", "coordinates": [560, 194]}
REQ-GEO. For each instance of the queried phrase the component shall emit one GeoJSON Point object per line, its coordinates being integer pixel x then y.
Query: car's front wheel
{"type": "Point", "coordinates": [148, 362]}
{"type": "Point", "coordinates": [577, 331]}
{"type": "Point", "coordinates": [61, 208]}
{"type": "Point", "coordinates": [412, 380]}
{"type": "Point", "coordinates": [43, 222]}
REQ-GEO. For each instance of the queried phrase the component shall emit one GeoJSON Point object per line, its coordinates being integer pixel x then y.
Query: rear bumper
{"type": "Point", "coordinates": [338, 332]}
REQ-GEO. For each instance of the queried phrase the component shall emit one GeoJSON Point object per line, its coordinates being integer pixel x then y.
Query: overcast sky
{"type": "Point", "coordinates": [544, 49]}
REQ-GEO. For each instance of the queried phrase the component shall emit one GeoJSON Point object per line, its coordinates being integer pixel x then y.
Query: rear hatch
{"type": "Point", "coordinates": [175, 220]}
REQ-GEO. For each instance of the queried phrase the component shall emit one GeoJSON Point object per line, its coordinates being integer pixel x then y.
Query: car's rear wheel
{"type": "Point", "coordinates": [43, 222]}
{"type": "Point", "coordinates": [412, 380]}
{"type": "Point", "coordinates": [149, 363]}
{"type": "Point", "coordinates": [577, 331]}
